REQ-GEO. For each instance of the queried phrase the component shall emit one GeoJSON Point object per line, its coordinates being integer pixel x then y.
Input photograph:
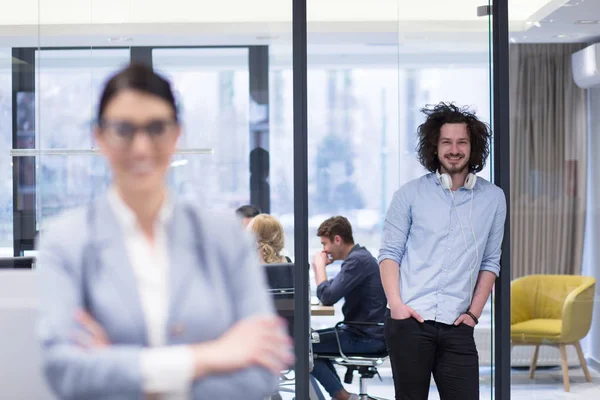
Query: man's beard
{"type": "Point", "coordinates": [454, 169]}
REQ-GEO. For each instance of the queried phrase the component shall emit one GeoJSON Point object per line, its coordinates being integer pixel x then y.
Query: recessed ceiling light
{"type": "Point", "coordinates": [563, 36]}
{"type": "Point", "coordinates": [120, 39]}
{"type": "Point", "coordinates": [573, 3]}
{"type": "Point", "coordinates": [588, 22]}
{"type": "Point", "coordinates": [267, 37]}
{"type": "Point", "coordinates": [537, 24]}
{"type": "Point", "coordinates": [513, 40]}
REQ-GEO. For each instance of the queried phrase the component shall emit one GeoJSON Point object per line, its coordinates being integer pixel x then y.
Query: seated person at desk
{"type": "Point", "coordinates": [246, 213]}
{"type": "Point", "coordinates": [271, 239]}
{"type": "Point", "coordinates": [359, 283]}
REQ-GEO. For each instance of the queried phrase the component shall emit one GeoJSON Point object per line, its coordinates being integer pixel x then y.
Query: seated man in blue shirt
{"type": "Point", "coordinates": [439, 258]}
{"type": "Point", "coordinates": [359, 283]}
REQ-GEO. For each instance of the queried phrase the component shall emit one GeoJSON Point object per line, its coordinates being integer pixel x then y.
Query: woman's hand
{"type": "Point", "coordinates": [92, 335]}
{"type": "Point", "coordinates": [255, 341]}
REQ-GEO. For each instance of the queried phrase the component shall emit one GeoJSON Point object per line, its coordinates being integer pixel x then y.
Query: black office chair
{"type": "Point", "coordinates": [365, 363]}
{"type": "Point", "coordinates": [280, 280]}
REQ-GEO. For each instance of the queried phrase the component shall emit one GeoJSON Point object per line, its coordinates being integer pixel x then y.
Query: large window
{"type": "Point", "coordinates": [362, 137]}
{"type": "Point", "coordinates": [68, 84]}
{"type": "Point", "coordinates": [212, 86]}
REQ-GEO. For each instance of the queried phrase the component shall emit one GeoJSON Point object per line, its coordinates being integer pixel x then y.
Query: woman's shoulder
{"type": "Point", "coordinates": [63, 237]}
{"type": "Point", "coordinates": [68, 223]}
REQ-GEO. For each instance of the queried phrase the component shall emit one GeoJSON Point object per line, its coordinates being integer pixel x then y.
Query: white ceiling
{"type": "Point", "coordinates": [200, 22]}
{"type": "Point", "coordinates": [384, 29]}
{"type": "Point", "coordinates": [97, 12]}
{"type": "Point", "coordinates": [562, 24]}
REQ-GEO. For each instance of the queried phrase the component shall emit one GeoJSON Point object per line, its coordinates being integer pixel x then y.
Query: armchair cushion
{"type": "Point", "coordinates": [536, 329]}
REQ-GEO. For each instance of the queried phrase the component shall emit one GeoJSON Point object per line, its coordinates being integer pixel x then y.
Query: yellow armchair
{"type": "Point", "coordinates": [553, 310]}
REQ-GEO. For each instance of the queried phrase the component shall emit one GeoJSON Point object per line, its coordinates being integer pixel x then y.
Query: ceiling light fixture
{"type": "Point", "coordinates": [179, 163]}
{"type": "Point", "coordinates": [573, 3]}
{"type": "Point", "coordinates": [564, 36]}
{"type": "Point", "coordinates": [588, 22]}
{"type": "Point", "coordinates": [120, 39]}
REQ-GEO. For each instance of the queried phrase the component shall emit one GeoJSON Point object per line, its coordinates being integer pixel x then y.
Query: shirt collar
{"type": "Point", "coordinates": [356, 247]}
{"type": "Point", "coordinates": [126, 216]}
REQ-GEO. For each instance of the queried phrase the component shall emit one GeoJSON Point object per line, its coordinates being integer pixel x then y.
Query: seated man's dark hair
{"type": "Point", "coordinates": [247, 211]}
{"type": "Point", "coordinates": [336, 226]}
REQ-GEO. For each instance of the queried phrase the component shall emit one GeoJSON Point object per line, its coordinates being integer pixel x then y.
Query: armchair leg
{"type": "Point", "coordinates": [582, 361]}
{"type": "Point", "coordinates": [534, 361]}
{"type": "Point", "coordinates": [565, 366]}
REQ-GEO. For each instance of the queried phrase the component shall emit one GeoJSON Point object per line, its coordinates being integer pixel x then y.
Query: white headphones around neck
{"type": "Point", "coordinates": [446, 181]}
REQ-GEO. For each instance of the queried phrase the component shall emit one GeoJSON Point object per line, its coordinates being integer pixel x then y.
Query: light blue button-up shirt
{"type": "Point", "coordinates": [441, 244]}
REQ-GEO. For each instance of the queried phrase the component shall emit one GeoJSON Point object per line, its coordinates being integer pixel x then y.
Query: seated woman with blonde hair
{"type": "Point", "coordinates": [270, 236]}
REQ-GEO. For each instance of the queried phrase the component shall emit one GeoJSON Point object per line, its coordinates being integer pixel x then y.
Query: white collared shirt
{"type": "Point", "coordinates": [167, 370]}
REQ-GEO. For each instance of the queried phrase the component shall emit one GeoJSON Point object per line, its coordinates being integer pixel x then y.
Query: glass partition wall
{"type": "Point", "coordinates": [371, 67]}
{"type": "Point", "coordinates": [371, 71]}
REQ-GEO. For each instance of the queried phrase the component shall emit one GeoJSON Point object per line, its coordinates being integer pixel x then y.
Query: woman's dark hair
{"type": "Point", "coordinates": [448, 113]}
{"type": "Point", "coordinates": [137, 77]}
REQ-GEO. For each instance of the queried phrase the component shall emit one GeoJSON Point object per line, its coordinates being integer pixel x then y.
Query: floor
{"type": "Point", "coordinates": [547, 385]}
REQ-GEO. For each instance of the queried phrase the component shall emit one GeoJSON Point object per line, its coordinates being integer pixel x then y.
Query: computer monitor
{"type": "Point", "coordinates": [17, 262]}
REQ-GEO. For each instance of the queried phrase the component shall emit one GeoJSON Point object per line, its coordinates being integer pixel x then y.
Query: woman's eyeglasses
{"type": "Point", "coordinates": [121, 133]}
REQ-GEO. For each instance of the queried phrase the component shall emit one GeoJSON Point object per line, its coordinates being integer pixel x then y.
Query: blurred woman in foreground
{"type": "Point", "coordinates": [142, 296]}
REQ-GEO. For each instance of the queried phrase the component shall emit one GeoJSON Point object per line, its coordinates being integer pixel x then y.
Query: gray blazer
{"type": "Point", "coordinates": [215, 278]}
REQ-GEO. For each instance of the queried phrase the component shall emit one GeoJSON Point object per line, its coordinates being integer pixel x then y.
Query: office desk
{"type": "Point", "coordinates": [321, 310]}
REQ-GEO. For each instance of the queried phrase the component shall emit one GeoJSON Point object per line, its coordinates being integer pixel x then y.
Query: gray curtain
{"type": "Point", "coordinates": [548, 160]}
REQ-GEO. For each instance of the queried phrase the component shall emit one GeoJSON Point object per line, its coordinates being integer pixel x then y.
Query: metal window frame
{"type": "Point", "coordinates": [302, 294]}
{"type": "Point", "coordinates": [501, 143]}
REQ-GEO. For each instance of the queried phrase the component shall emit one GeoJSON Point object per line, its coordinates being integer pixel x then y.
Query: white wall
{"type": "Point", "coordinates": [592, 235]}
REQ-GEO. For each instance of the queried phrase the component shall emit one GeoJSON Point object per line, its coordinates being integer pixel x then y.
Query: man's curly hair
{"type": "Point", "coordinates": [449, 113]}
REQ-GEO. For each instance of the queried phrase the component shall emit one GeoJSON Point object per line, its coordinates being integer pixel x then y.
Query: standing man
{"type": "Point", "coordinates": [440, 257]}
{"type": "Point", "coordinates": [359, 284]}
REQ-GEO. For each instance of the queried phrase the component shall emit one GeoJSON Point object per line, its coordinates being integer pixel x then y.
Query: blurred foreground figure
{"type": "Point", "coordinates": [143, 297]}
